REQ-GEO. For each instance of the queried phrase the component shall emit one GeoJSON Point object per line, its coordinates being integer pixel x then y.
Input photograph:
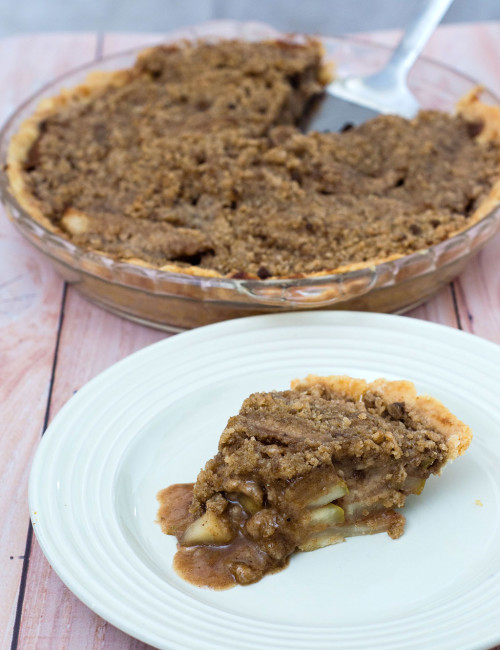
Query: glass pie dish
{"type": "Point", "coordinates": [178, 301]}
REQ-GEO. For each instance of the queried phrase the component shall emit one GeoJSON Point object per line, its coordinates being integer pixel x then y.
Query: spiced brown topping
{"type": "Point", "coordinates": [196, 160]}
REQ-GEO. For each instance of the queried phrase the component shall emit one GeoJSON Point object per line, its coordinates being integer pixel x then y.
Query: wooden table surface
{"type": "Point", "coordinates": [52, 341]}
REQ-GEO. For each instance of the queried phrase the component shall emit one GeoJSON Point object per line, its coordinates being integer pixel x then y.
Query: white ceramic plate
{"type": "Point", "coordinates": [154, 419]}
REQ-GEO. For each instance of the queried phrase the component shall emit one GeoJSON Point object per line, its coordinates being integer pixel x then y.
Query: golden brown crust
{"type": "Point", "coordinates": [429, 410]}
{"type": "Point", "coordinates": [470, 107]}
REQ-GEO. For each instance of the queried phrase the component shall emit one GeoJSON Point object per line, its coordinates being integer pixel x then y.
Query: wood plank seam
{"type": "Point", "coordinates": [455, 305]}
{"type": "Point", "coordinates": [22, 586]}
{"type": "Point", "coordinates": [29, 537]}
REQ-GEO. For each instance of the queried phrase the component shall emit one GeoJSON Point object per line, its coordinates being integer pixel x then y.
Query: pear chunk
{"type": "Point", "coordinates": [326, 516]}
{"type": "Point", "coordinates": [207, 529]}
{"type": "Point", "coordinates": [250, 505]}
{"type": "Point", "coordinates": [415, 485]}
{"type": "Point", "coordinates": [75, 222]}
{"type": "Point", "coordinates": [337, 491]}
{"type": "Point", "coordinates": [246, 501]}
{"type": "Point", "coordinates": [320, 540]}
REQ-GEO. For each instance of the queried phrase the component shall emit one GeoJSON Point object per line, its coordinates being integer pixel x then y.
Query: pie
{"type": "Point", "coordinates": [192, 161]}
{"type": "Point", "coordinates": [300, 469]}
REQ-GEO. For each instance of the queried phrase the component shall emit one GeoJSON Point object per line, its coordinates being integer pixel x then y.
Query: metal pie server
{"type": "Point", "coordinates": [354, 100]}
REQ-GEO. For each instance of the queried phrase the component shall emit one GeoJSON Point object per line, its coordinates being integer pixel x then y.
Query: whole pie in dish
{"type": "Point", "coordinates": [192, 161]}
{"type": "Point", "coordinates": [303, 468]}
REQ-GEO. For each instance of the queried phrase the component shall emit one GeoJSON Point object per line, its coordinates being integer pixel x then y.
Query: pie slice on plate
{"type": "Point", "coordinates": [301, 469]}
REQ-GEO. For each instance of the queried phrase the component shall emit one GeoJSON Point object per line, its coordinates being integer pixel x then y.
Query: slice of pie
{"type": "Point", "coordinates": [301, 469]}
{"type": "Point", "coordinates": [191, 161]}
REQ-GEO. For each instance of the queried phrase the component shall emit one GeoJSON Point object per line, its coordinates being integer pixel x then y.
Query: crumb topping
{"type": "Point", "coordinates": [197, 161]}
{"type": "Point", "coordinates": [279, 435]}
